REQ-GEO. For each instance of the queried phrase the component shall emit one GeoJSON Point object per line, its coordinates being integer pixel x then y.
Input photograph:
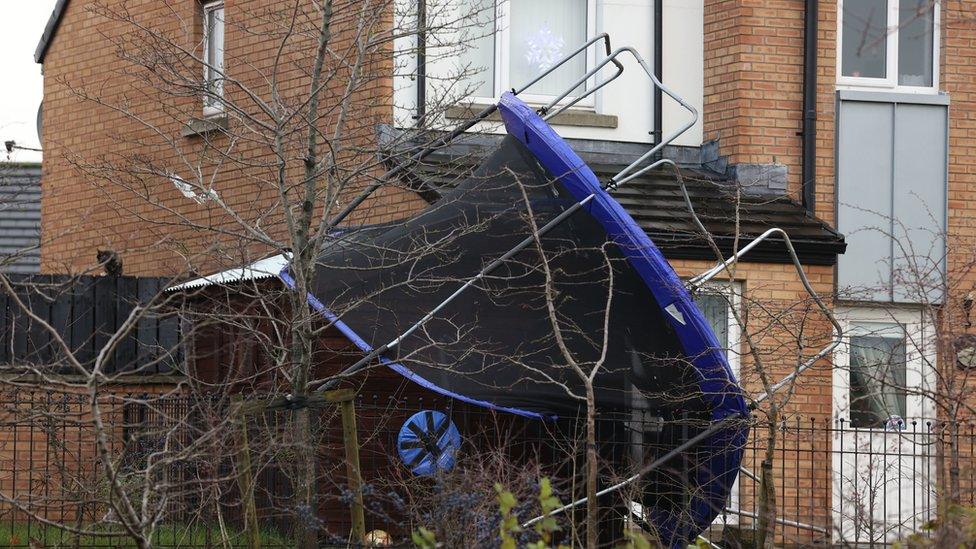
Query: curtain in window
{"type": "Point", "coordinates": [542, 32]}
{"type": "Point", "coordinates": [877, 375]}
{"type": "Point", "coordinates": [916, 27]}
{"type": "Point", "coordinates": [477, 48]}
{"type": "Point", "coordinates": [716, 310]}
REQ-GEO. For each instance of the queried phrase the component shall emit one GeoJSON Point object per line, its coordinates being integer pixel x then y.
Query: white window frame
{"type": "Point", "coordinates": [919, 358]}
{"type": "Point", "coordinates": [502, 45]}
{"type": "Point", "coordinates": [890, 82]}
{"type": "Point", "coordinates": [732, 292]}
{"type": "Point", "coordinates": [215, 108]}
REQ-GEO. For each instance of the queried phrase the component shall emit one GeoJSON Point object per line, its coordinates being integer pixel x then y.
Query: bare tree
{"type": "Point", "coordinates": [298, 145]}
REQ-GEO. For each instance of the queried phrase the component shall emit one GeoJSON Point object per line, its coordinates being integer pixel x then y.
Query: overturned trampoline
{"type": "Point", "coordinates": [520, 284]}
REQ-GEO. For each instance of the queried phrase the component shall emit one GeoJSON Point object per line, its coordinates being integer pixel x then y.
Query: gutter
{"type": "Point", "coordinates": [50, 30]}
{"type": "Point", "coordinates": [809, 131]}
{"type": "Point", "coordinates": [421, 115]}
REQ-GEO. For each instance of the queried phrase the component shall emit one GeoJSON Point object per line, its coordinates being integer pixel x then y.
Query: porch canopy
{"type": "Point", "coordinates": [603, 297]}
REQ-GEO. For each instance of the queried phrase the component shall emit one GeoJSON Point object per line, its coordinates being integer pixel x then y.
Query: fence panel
{"type": "Point", "coordinates": [85, 311]}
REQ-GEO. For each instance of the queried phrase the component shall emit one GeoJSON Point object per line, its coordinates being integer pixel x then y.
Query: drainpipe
{"type": "Point", "coordinates": [658, 72]}
{"type": "Point", "coordinates": [809, 133]}
{"type": "Point", "coordinates": [421, 113]}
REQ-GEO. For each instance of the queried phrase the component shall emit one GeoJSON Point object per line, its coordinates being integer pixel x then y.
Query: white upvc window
{"type": "Point", "coordinates": [213, 57]}
{"type": "Point", "coordinates": [716, 301]}
{"type": "Point", "coordinates": [890, 45]}
{"type": "Point", "coordinates": [883, 368]}
{"type": "Point", "coordinates": [510, 42]}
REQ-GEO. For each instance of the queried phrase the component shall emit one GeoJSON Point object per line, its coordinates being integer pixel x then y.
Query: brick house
{"type": "Point", "coordinates": [832, 118]}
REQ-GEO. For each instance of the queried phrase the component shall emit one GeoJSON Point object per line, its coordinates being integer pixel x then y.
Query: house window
{"type": "Point", "coordinates": [716, 310]}
{"type": "Point", "coordinates": [889, 44]}
{"type": "Point", "coordinates": [213, 57]}
{"type": "Point", "coordinates": [884, 368]}
{"type": "Point", "coordinates": [505, 44]}
{"type": "Point", "coordinates": [715, 302]}
{"type": "Point", "coordinates": [878, 395]}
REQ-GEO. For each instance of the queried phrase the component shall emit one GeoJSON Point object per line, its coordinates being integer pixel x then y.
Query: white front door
{"type": "Point", "coordinates": [883, 466]}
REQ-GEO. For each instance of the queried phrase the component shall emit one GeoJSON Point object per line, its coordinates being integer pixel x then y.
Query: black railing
{"type": "Point", "coordinates": [834, 484]}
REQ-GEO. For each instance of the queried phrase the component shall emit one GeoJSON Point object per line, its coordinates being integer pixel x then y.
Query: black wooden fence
{"type": "Point", "coordinates": [85, 311]}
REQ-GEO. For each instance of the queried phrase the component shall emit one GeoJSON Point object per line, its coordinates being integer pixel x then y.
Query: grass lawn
{"type": "Point", "coordinates": [39, 535]}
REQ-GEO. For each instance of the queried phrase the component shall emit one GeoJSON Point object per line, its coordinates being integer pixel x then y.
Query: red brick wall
{"type": "Point", "coordinates": [754, 87]}
{"type": "Point", "coordinates": [754, 80]}
{"type": "Point", "coordinates": [93, 200]}
{"type": "Point", "coordinates": [958, 79]}
{"type": "Point", "coordinates": [772, 294]}
{"type": "Point", "coordinates": [753, 94]}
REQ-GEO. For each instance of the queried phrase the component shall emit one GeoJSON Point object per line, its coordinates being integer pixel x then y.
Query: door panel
{"type": "Point", "coordinates": [882, 444]}
{"type": "Point", "coordinates": [891, 196]}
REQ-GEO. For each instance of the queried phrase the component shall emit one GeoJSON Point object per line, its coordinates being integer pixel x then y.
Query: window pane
{"type": "Point", "coordinates": [916, 27]}
{"type": "Point", "coordinates": [865, 24]}
{"type": "Point", "coordinates": [716, 310]}
{"type": "Point", "coordinates": [542, 32]}
{"type": "Point", "coordinates": [476, 62]}
{"type": "Point", "coordinates": [214, 19]}
{"type": "Point", "coordinates": [878, 392]}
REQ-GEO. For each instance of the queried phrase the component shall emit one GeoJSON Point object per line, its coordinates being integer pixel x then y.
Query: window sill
{"type": "Point", "coordinates": [199, 127]}
{"type": "Point", "coordinates": [888, 96]}
{"type": "Point", "coordinates": [569, 117]}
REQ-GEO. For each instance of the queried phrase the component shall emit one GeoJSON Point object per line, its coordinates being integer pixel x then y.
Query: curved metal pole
{"type": "Point", "coordinates": [838, 331]}
{"type": "Point", "coordinates": [470, 123]}
{"type": "Point", "coordinates": [694, 283]}
{"type": "Point", "coordinates": [697, 281]}
{"type": "Point", "coordinates": [602, 36]}
{"type": "Point", "coordinates": [621, 178]}
{"type": "Point", "coordinates": [611, 58]}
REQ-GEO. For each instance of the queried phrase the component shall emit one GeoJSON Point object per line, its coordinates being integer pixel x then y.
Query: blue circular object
{"type": "Point", "coordinates": [428, 442]}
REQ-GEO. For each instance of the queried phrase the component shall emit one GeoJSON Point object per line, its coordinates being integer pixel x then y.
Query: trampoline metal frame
{"type": "Point", "coordinates": [486, 112]}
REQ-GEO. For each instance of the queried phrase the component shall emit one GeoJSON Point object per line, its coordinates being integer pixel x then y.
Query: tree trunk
{"type": "Point", "coordinates": [301, 367]}
{"type": "Point", "coordinates": [767, 490]}
{"type": "Point", "coordinates": [306, 489]}
{"type": "Point", "coordinates": [592, 505]}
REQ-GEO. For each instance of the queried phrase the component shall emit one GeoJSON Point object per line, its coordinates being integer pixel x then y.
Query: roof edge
{"type": "Point", "coordinates": [20, 164]}
{"type": "Point", "coordinates": [49, 31]}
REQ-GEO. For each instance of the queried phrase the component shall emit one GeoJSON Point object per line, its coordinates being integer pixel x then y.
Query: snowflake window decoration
{"type": "Point", "coordinates": [543, 48]}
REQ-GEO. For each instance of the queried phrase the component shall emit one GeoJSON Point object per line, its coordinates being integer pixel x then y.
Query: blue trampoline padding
{"type": "Point", "coordinates": [717, 382]}
{"type": "Point", "coordinates": [428, 442]}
